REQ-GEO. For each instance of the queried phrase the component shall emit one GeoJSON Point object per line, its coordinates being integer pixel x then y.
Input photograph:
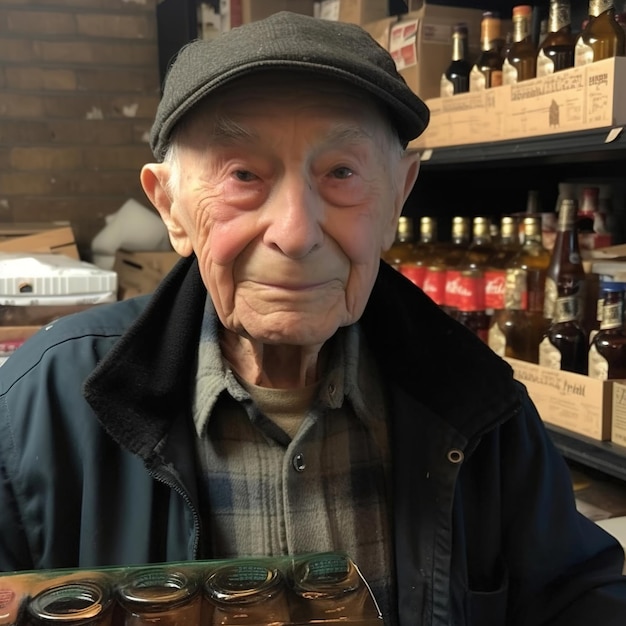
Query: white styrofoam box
{"type": "Point", "coordinates": [26, 276]}
{"type": "Point", "coordinates": [615, 526]}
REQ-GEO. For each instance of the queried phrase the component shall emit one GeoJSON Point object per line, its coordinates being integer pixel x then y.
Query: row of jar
{"type": "Point", "coordinates": [314, 589]}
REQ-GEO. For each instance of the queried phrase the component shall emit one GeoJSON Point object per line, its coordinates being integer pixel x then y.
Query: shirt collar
{"type": "Point", "coordinates": [351, 374]}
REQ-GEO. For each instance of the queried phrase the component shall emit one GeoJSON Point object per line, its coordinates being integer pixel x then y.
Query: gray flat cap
{"type": "Point", "coordinates": [288, 41]}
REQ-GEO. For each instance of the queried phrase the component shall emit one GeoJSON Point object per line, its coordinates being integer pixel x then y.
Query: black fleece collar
{"type": "Point", "coordinates": [145, 381]}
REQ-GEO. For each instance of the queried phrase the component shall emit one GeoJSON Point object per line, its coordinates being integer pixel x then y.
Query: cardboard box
{"type": "Point", "coordinates": [354, 11]}
{"type": "Point", "coordinates": [572, 401]}
{"type": "Point", "coordinates": [421, 44]}
{"type": "Point", "coordinates": [253, 10]}
{"type": "Point", "coordinates": [140, 272]}
{"type": "Point", "coordinates": [579, 98]}
{"type": "Point", "coordinates": [57, 237]}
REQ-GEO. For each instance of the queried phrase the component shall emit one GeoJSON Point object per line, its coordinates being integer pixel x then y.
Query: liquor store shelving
{"type": "Point", "coordinates": [581, 147]}
{"type": "Point", "coordinates": [605, 456]}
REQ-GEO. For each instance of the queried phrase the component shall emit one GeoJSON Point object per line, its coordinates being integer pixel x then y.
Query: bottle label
{"type": "Point", "coordinates": [496, 339]}
{"type": "Point", "coordinates": [477, 80]}
{"type": "Point", "coordinates": [612, 316]}
{"type": "Point", "coordinates": [446, 87]}
{"type": "Point", "coordinates": [545, 65]}
{"type": "Point", "coordinates": [550, 298]}
{"type": "Point", "coordinates": [453, 278]}
{"type": "Point", "coordinates": [598, 365]}
{"type": "Point", "coordinates": [495, 281]}
{"type": "Point", "coordinates": [435, 286]}
{"type": "Point", "coordinates": [471, 294]}
{"type": "Point", "coordinates": [566, 309]}
{"type": "Point", "coordinates": [509, 73]}
{"type": "Point", "coordinates": [549, 356]}
{"type": "Point", "coordinates": [583, 53]}
{"type": "Point", "coordinates": [516, 290]}
{"type": "Point", "coordinates": [415, 273]}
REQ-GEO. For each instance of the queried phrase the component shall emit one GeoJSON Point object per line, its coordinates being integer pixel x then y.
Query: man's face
{"type": "Point", "coordinates": [287, 195]}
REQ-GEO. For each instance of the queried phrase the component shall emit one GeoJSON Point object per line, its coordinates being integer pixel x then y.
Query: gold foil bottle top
{"type": "Point", "coordinates": [508, 227]}
{"type": "Point", "coordinates": [405, 229]}
{"type": "Point", "coordinates": [522, 15]}
{"type": "Point", "coordinates": [567, 214]}
{"type": "Point", "coordinates": [596, 7]}
{"type": "Point", "coordinates": [481, 228]}
{"type": "Point", "coordinates": [560, 15]}
{"type": "Point", "coordinates": [532, 227]}
{"type": "Point", "coordinates": [428, 229]}
{"type": "Point", "coordinates": [490, 29]}
{"type": "Point", "coordinates": [460, 227]}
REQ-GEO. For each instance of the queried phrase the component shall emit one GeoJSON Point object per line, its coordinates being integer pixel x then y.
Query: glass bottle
{"type": "Point", "coordinates": [170, 596]}
{"type": "Point", "coordinates": [78, 602]}
{"type": "Point", "coordinates": [426, 251]}
{"type": "Point", "coordinates": [401, 255]}
{"type": "Point", "coordinates": [495, 270]}
{"type": "Point", "coordinates": [517, 330]}
{"type": "Point", "coordinates": [487, 71]}
{"type": "Point", "coordinates": [588, 210]}
{"type": "Point", "coordinates": [521, 60]}
{"type": "Point", "coordinates": [564, 346]}
{"type": "Point", "coordinates": [456, 250]}
{"type": "Point", "coordinates": [471, 303]}
{"type": "Point", "coordinates": [566, 268]}
{"type": "Point", "coordinates": [602, 37]}
{"type": "Point", "coordinates": [456, 77]}
{"type": "Point", "coordinates": [607, 352]}
{"type": "Point", "coordinates": [245, 592]}
{"type": "Point", "coordinates": [556, 52]}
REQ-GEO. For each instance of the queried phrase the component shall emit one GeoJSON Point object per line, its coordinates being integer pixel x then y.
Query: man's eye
{"type": "Point", "coordinates": [342, 172]}
{"type": "Point", "coordinates": [244, 176]}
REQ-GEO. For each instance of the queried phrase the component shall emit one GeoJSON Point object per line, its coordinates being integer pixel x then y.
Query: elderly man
{"type": "Point", "coordinates": [283, 391]}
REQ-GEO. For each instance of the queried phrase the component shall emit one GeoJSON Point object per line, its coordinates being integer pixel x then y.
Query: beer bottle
{"type": "Point", "coordinates": [456, 77]}
{"type": "Point", "coordinates": [427, 250]}
{"type": "Point", "coordinates": [456, 250]}
{"type": "Point", "coordinates": [566, 268]}
{"type": "Point", "coordinates": [602, 37]}
{"type": "Point", "coordinates": [495, 269]}
{"type": "Point", "coordinates": [607, 352]}
{"type": "Point", "coordinates": [487, 71]}
{"type": "Point", "coordinates": [521, 60]}
{"type": "Point", "coordinates": [564, 346]}
{"type": "Point", "coordinates": [556, 52]}
{"type": "Point", "coordinates": [517, 330]}
{"type": "Point", "coordinates": [401, 256]}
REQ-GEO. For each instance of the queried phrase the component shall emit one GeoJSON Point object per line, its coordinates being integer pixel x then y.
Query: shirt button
{"type": "Point", "coordinates": [298, 462]}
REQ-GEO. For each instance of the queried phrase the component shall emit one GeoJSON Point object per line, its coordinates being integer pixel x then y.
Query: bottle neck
{"type": "Point", "coordinates": [521, 28]}
{"type": "Point", "coordinates": [458, 47]}
{"type": "Point", "coordinates": [560, 16]}
{"type": "Point", "coordinates": [489, 33]}
{"type": "Point", "coordinates": [597, 7]}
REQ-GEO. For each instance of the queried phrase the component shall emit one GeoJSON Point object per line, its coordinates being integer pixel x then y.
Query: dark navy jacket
{"type": "Point", "coordinates": [96, 468]}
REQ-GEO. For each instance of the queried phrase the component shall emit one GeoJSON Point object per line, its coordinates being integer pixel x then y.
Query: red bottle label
{"type": "Point", "coordinates": [471, 296]}
{"type": "Point", "coordinates": [495, 284]}
{"type": "Point", "coordinates": [435, 285]}
{"type": "Point", "coordinates": [415, 273]}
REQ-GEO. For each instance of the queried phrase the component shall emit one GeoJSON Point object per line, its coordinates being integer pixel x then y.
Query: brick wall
{"type": "Point", "coordinates": [79, 86]}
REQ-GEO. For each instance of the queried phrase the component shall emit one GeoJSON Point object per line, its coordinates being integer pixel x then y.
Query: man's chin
{"type": "Point", "coordinates": [295, 330]}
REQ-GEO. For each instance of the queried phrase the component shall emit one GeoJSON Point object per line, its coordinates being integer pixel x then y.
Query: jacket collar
{"type": "Point", "coordinates": [144, 381]}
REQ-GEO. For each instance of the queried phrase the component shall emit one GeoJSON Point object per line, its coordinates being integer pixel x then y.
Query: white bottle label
{"type": "Point", "coordinates": [477, 80]}
{"type": "Point", "coordinates": [583, 53]}
{"type": "Point", "coordinates": [549, 356]}
{"type": "Point", "coordinates": [598, 365]}
{"type": "Point", "coordinates": [550, 298]}
{"type": "Point", "coordinates": [509, 73]}
{"type": "Point", "coordinates": [446, 87]}
{"type": "Point", "coordinates": [545, 65]}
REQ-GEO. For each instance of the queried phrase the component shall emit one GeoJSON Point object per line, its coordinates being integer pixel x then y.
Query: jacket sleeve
{"type": "Point", "coordinates": [14, 551]}
{"type": "Point", "coordinates": [564, 569]}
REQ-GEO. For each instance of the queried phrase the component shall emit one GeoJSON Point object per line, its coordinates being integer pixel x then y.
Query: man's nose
{"type": "Point", "coordinates": [295, 218]}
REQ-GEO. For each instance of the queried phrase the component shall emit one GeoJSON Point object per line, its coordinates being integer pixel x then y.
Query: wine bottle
{"type": "Point", "coordinates": [556, 52]}
{"type": "Point", "coordinates": [456, 77]}
{"type": "Point", "coordinates": [487, 71]}
{"type": "Point", "coordinates": [602, 37]}
{"type": "Point", "coordinates": [521, 60]}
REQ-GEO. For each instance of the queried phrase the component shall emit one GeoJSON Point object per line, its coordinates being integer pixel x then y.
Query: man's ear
{"type": "Point", "coordinates": [154, 177]}
{"type": "Point", "coordinates": [405, 173]}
